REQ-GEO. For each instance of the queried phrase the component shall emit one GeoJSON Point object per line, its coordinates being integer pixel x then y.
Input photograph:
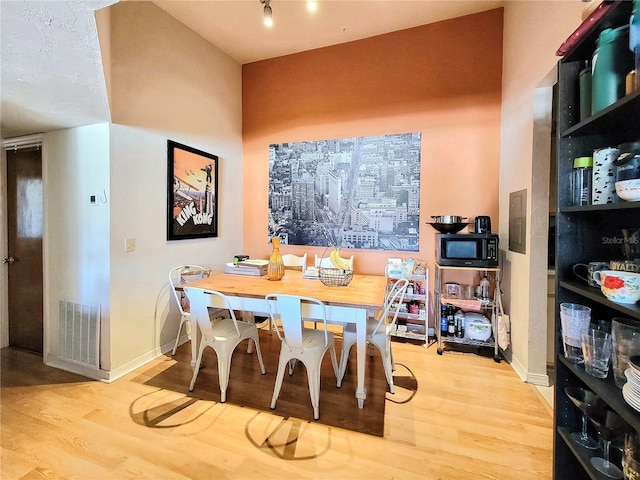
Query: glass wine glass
{"type": "Point", "coordinates": [581, 398]}
{"type": "Point", "coordinates": [609, 425]}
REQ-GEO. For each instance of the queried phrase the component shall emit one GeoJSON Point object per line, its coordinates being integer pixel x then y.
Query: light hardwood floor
{"type": "Point", "coordinates": [468, 418]}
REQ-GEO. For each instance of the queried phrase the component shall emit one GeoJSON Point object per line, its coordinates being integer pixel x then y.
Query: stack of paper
{"type": "Point", "coordinates": [311, 272]}
{"type": "Point", "coordinates": [244, 268]}
{"type": "Point", "coordinates": [254, 262]}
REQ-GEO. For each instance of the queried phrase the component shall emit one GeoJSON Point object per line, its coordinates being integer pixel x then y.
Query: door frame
{"type": "Point", "coordinates": [7, 144]}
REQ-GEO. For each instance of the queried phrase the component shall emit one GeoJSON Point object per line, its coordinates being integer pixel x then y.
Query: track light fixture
{"type": "Point", "coordinates": [268, 19]}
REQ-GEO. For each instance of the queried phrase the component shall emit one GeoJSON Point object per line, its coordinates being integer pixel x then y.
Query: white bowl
{"type": "Point", "coordinates": [629, 190]}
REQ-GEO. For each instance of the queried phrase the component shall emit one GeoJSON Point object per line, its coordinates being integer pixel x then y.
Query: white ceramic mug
{"type": "Point", "coordinates": [619, 286]}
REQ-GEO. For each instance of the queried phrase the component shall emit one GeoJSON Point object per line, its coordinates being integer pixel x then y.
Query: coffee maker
{"type": "Point", "coordinates": [482, 224]}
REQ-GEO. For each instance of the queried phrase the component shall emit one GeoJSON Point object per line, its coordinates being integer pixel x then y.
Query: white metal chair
{"type": "Point", "coordinates": [294, 262]}
{"type": "Point", "coordinates": [221, 334]}
{"type": "Point", "coordinates": [378, 332]}
{"type": "Point", "coordinates": [325, 262]}
{"type": "Point", "coordinates": [299, 343]}
{"type": "Point", "coordinates": [178, 276]}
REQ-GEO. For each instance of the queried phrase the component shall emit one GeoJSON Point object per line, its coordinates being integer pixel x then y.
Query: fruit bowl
{"type": "Point", "coordinates": [629, 190]}
{"type": "Point", "coordinates": [335, 277]}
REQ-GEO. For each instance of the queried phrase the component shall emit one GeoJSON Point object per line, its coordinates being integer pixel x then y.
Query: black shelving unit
{"type": "Point", "coordinates": [588, 233]}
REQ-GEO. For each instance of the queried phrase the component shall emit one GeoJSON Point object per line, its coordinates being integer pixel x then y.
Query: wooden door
{"type": "Point", "coordinates": [24, 262]}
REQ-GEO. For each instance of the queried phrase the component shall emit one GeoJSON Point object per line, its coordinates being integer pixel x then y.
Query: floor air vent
{"type": "Point", "coordinates": [80, 332]}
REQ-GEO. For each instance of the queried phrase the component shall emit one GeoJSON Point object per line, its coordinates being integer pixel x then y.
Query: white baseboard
{"type": "Point", "coordinates": [77, 368]}
{"type": "Point", "coordinates": [539, 379]}
{"type": "Point", "coordinates": [519, 369]}
{"type": "Point", "coordinates": [111, 375]}
{"type": "Point", "coordinates": [525, 376]}
{"type": "Point", "coordinates": [131, 366]}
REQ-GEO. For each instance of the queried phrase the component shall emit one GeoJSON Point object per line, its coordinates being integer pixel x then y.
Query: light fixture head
{"type": "Point", "coordinates": [268, 18]}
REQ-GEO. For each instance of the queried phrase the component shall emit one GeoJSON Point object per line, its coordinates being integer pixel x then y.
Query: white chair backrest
{"type": "Point", "coordinates": [293, 261]}
{"type": "Point", "coordinates": [201, 299]}
{"type": "Point", "coordinates": [184, 274]}
{"type": "Point", "coordinates": [291, 310]}
{"type": "Point", "coordinates": [389, 315]}
{"type": "Point", "coordinates": [325, 262]}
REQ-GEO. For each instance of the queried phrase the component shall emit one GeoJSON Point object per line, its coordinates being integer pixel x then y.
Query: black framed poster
{"type": "Point", "coordinates": [192, 205]}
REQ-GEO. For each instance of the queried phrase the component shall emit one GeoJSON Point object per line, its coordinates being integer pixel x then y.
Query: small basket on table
{"type": "Point", "coordinates": [335, 277]}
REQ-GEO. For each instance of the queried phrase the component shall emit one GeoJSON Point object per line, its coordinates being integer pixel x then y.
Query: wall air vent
{"type": "Point", "coordinates": [79, 332]}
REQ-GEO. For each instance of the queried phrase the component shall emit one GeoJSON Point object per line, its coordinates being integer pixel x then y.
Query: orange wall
{"type": "Point", "coordinates": [442, 79]}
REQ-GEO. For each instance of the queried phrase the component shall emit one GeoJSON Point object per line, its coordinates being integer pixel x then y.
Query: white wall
{"type": "Point", "coordinates": [76, 237]}
{"type": "Point", "coordinates": [166, 83]}
{"type": "Point", "coordinates": [533, 32]}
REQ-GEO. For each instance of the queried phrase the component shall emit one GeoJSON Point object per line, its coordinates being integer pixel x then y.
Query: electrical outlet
{"type": "Point", "coordinates": [129, 244]}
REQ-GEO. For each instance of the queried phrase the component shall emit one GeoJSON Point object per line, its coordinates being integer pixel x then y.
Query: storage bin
{"type": "Point", "coordinates": [611, 62]}
{"type": "Point", "coordinates": [477, 326]}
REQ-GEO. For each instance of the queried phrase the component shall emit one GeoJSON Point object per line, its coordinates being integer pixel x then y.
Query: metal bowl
{"type": "Point", "coordinates": [448, 218]}
{"type": "Point", "coordinates": [448, 227]}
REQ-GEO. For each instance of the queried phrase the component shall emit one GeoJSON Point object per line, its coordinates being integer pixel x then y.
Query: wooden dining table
{"type": "Point", "coordinates": [347, 304]}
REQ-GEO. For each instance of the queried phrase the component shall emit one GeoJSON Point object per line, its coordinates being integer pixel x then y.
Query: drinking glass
{"type": "Point", "coordinates": [575, 320]}
{"type": "Point", "coordinates": [609, 426]}
{"type": "Point", "coordinates": [581, 398]}
{"type": "Point", "coordinates": [625, 335]}
{"type": "Point", "coordinates": [453, 290]}
{"type": "Point", "coordinates": [596, 348]}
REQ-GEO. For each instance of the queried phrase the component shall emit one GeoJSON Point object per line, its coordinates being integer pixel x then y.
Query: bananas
{"type": "Point", "coordinates": [337, 261]}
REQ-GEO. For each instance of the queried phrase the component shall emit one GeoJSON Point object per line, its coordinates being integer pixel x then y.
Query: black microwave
{"type": "Point", "coordinates": [467, 250]}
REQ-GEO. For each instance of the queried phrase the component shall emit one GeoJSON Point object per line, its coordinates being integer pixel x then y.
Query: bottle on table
{"type": "Point", "coordinates": [484, 288]}
{"type": "Point", "coordinates": [451, 322]}
{"type": "Point", "coordinates": [444, 320]}
{"type": "Point", "coordinates": [459, 321]}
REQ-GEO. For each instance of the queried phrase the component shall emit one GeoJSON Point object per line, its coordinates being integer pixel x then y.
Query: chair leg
{"type": "Point", "coordinates": [258, 353]}
{"type": "Point", "coordinates": [282, 364]}
{"type": "Point", "coordinates": [314, 389]}
{"type": "Point", "coordinates": [344, 359]}
{"type": "Point", "coordinates": [175, 345]}
{"type": "Point", "coordinates": [393, 364]}
{"type": "Point", "coordinates": [196, 369]}
{"type": "Point", "coordinates": [224, 369]}
{"type": "Point", "coordinates": [388, 367]}
{"type": "Point", "coordinates": [334, 362]}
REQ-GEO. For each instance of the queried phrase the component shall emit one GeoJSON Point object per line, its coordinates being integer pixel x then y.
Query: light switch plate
{"type": "Point", "coordinates": [129, 244]}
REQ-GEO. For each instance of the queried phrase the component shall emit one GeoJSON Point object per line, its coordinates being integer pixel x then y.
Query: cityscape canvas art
{"type": "Point", "coordinates": [360, 192]}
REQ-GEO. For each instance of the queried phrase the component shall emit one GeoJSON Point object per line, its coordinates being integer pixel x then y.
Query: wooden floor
{"type": "Point", "coordinates": [468, 418]}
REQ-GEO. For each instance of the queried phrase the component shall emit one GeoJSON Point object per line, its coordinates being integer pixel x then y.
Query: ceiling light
{"type": "Point", "coordinates": [268, 19]}
{"type": "Point", "coordinates": [312, 5]}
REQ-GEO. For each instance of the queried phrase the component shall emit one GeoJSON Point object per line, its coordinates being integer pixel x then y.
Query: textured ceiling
{"type": "Point", "coordinates": [52, 75]}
